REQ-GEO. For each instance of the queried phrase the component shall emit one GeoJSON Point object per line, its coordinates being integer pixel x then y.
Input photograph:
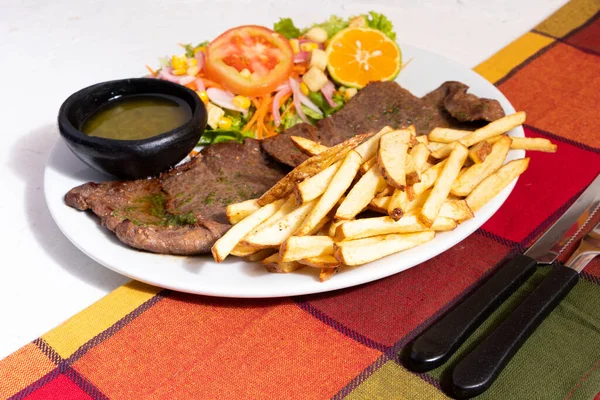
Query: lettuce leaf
{"type": "Point", "coordinates": [286, 27]}
{"type": "Point", "coordinates": [321, 102]}
{"type": "Point", "coordinates": [313, 115]}
{"type": "Point", "coordinates": [212, 136]}
{"type": "Point", "coordinates": [190, 50]}
{"type": "Point", "coordinates": [380, 22]}
{"type": "Point", "coordinates": [332, 26]}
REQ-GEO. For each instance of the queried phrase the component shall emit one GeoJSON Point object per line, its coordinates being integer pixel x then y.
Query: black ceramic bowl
{"type": "Point", "coordinates": [130, 159]}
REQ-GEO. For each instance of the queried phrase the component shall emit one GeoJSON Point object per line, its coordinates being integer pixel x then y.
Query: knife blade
{"type": "Point", "coordinates": [434, 346]}
{"type": "Point", "coordinates": [475, 373]}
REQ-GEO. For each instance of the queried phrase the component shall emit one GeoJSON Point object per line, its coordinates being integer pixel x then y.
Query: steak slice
{"type": "Point", "coordinates": [467, 107]}
{"type": "Point", "coordinates": [382, 104]}
{"type": "Point", "coordinates": [283, 150]}
{"type": "Point", "coordinates": [182, 211]}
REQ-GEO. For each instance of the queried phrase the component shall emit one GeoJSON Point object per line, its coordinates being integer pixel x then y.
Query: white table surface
{"type": "Point", "coordinates": [51, 49]}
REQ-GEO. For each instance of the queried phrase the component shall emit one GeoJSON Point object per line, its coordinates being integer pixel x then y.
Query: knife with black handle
{"type": "Point", "coordinates": [479, 369]}
{"type": "Point", "coordinates": [435, 346]}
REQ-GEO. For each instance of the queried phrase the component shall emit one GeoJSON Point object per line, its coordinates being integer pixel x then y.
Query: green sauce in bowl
{"type": "Point", "coordinates": [137, 117]}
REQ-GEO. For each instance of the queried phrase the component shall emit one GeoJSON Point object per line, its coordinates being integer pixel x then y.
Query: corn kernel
{"type": "Point", "coordinates": [304, 89]}
{"type": "Point", "coordinates": [203, 96]}
{"type": "Point", "coordinates": [295, 45]}
{"type": "Point", "coordinates": [179, 62]}
{"type": "Point", "coordinates": [179, 71]}
{"type": "Point", "coordinates": [241, 101]}
{"type": "Point", "coordinates": [225, 123]}
{"type": "Point", "coordinates": [192, 62]}
{"type": "Point", "coordinates": [245, 73]}
{"type": "Point", "coordinates": [350, 93]}
{"type": "Point", "coordinates": [308, 46]}
{"type": "Point", "coordinates": [193, 71]}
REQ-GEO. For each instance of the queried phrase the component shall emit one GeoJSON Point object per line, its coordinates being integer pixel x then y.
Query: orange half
{"type": "Point", "coordinates": [357, 56]}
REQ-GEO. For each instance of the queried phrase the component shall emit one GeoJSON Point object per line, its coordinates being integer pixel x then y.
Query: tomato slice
{"type": "Point", "coordinates": [249, 60]}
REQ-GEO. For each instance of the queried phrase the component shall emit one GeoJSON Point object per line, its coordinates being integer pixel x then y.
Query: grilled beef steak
{"type": "Point", "coordinates": [382, 104]}
{"type": "Point", "coordinates": [183, 211]}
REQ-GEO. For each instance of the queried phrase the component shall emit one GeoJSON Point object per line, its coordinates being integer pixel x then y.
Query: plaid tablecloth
{"type": "Point", "coordinates": [143, 342]}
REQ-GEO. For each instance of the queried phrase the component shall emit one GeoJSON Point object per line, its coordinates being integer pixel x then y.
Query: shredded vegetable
{"type": "Point", "coordinates": [296, 100]}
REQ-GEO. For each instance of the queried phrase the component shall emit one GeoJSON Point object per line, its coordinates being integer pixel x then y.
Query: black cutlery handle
{"type": "Point", "coordinates": [478, 370]}
{"type": "Point", "coordinates": [441, 340]}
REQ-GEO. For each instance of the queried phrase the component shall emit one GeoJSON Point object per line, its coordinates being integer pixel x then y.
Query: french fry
{"type": "Point", "coordinates": [435, 146]}
{"type": "Point", "coordinates": [446, 135]}
{"type": "Point", "coordinates": [313, 187]}
{"type": "Point", "coordinates": [367, 165]}
{"type": "Point", "coordinates": [307, 146]}
{"type": "Point", "coordinates": [243, 250]}
{"type": "Point", "coordinates": [397, 206]}
{"type": "Point", "coordinates": [379, 204]}
{"type": "Point", "coordinates": [387, 191]}
{"type": "Point", "coordinates": [280, 231]}
{"type": "Point", "coordinates": [443, 184]}
{"type": "Point", "coordinates": [443, 224]}
{"type": "Point", "coordinates": [537, 144]}
{"type": "Point", "coordinates": [391, 157]}
{"type": "Point", "coordinates": [480, 151]}
{"type": "Point", "coordinates": [327, 261]}
{"type": "Point", "coordinates": [322, 226]}
{"type": "Point", "coordinates": [458, 210]}
{"type": "Point", "coordinates": [336, 189]}
{"type": "Point", "coordinates": [222, 247]}
{"type": "Point", "coordinates": [260, 255]}
{"type": "Point", "coordinates": [467, 180]}
{"type": "Point", "coordinates": [366, 227]}
{"type": "Point", "coordinates": [368, 148]}
{"type": "Point", "coordinates": [301, 247]}
{"type": "Point", "coordinates": [413, 174]}
{"type": "Point", "coordinates": [238, 211]}
{"type": "Point", "coordinates": [422, 139]}
{"type": "Point", "coordinates": [285, 209]}
{"type": "Point", "coordinates": [274, 264]}
{"type": "Point", "coordinates": [333, 226]}
{"type": "Point", "coordinates": [309, 168]}
{"type": "Point", "coordinates": [492, 129]}
{"type": "Point", "coordinates": [493, 184]}
{"type": "Point", "coordinates": [361, 194]}
{"type": "Point", "coordinates": [420, 153]}
{"type": "Point", "coordinates": [400, 204]}
{"type": "Point", "coordinates": [327, 273]}
{"type": "Point", "coordinates": [362, 251]}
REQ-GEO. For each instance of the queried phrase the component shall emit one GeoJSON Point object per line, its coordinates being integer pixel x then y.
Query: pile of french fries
{"type": "Point", "coordinates": [315, 216]}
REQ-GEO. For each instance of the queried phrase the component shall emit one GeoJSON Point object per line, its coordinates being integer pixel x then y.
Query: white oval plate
{"type": "Point", "coordinates": [238, 278]}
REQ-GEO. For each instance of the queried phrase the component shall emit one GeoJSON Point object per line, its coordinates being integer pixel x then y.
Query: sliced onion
{"type": "Point", "coordinates": [327, 91]}
{"type": "Point", "coordinates": [296, 95]}
{"type": "Point", "coordinates": [302, 56]}
{"type": "Point", "coordinates": [199, 56]}
{"type": "Point", "coordinates": [200, 85]}
{"type": "Point", "coordinates": [276, 105]}
{"type": "Point", "coordinates": [184, 80]}
{"type": "Point", "coordinates": [308, 103]}
{"type": "Point", "coordinates": [166, 75]}
{"type": "Point", "coordinates": [224, 99]}
{"type": "Point", "coordinates": [284, 85]}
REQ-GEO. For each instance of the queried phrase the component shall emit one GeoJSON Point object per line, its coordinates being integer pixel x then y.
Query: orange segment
{"type": "Point", "coordinates": [357, 56]}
